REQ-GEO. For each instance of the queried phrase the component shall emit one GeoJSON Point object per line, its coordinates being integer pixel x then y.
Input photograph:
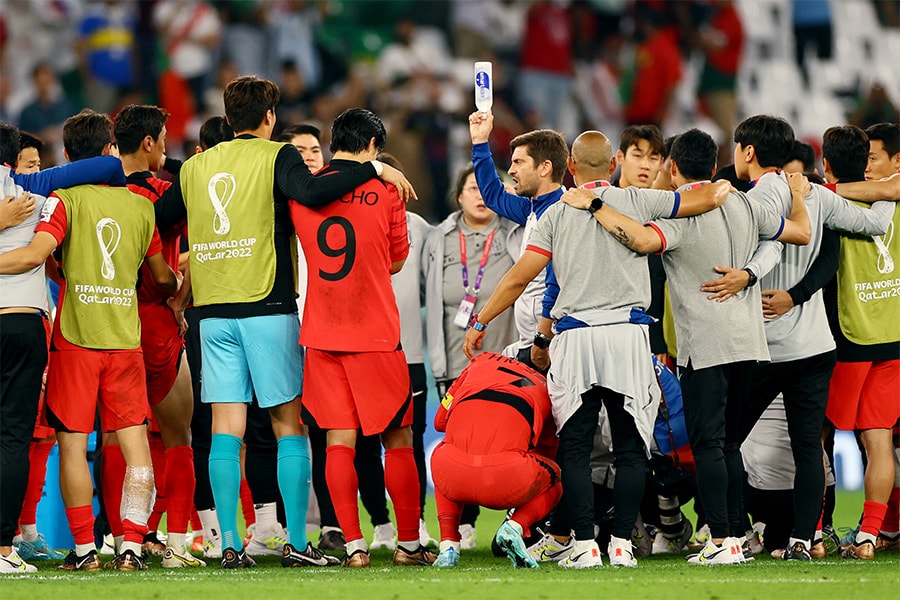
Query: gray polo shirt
{"type": "Point", "coordinates": [712, 333]}
{"type": "Point", "coordinates": [594, 270]}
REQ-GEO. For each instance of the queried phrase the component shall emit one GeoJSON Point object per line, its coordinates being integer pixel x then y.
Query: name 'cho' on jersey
{"type": "Point", "coordinates": [349, 247]}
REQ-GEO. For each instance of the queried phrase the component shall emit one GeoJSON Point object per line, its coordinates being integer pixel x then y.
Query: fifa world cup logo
{"type": "Point", "coordinates": [108, 236]}
{"type": "Point", "coordinates": [885, 262]}
{"type": "Point", "coordinates": [221, 189]}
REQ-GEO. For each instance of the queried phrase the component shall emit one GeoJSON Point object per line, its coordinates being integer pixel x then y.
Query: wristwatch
{"type": "Point", "coordinates": [541, 341]}
{"type": "Point", "coordinates": [753, 277]}
{"type": "Point", "coordinates": [596, 204]}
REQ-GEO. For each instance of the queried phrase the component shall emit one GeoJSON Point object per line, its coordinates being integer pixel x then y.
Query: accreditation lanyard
{"type": "Point", "coordinates": [465, 267]}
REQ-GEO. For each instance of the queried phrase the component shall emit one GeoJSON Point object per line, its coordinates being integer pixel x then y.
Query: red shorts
{"type": "Point", "coordinates": [79, 378]}
{"type": "Point", "coordinates": [162, 346]}
{"type": "Point", "coordinates": [498, 481]}
{"type": "Point", "coordinates": [41, 429]}
{"type": "Point", "coordinates": [864, 395]}
{"type": "Point", "coordinates": [352, 390]}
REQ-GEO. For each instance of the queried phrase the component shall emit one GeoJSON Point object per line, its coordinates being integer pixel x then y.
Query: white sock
{"type": "Point", "coordinates": [29, 532]}
{"type": "Point", "coordinates": [133, 546]}
{"type": "Point", "coordinates": [83, 549]}
{"type": "Point", "coordinates": [862, 537]}
{"type": "Point", "coordinates": [266, 516]}
{"type": "Point", "coordinates": [328, 528]}
{"type": "Point", "coordinates": [409, 546]}
{"type": "Point", "coordinates": [516, 526]}
{"type": "Point", "coordinates": [176, 541]}
{"type": "Point", "coordinates": [117, 543]}
{"type": "Point", "coordinates": [818, 535]}
{"type": "Point", "coordinates": [445, 544]}
{"type": "Point", "coordinates": [210, 523]}
{"type": "Point", "coordinates": [355, 545]}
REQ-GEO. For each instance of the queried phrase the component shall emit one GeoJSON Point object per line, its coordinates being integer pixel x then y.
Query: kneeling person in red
{"type": "Point", "coordinates": [105, 233]}
{"type": "Point", "coordinates": [356, 374]}
{"type": "Point", "coordinates": [499, 435]}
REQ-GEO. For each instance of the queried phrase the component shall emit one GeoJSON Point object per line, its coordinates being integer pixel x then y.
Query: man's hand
{"type": "Point", "coordinates": [578, 198]}
{"type": "Point", "coordinates": [775, 303]}
{"type": "Point", "coordinates": [472, 342]}
{"type": "Point", "coordinates": [730, 283]}
{"type": "Point", "coordinates": [480, 126]}
{"type": "Point", "coordinates": [15, 210]}
{"type": "Point", "coordinates": [799, 183]}
{"type": "Point", "coordinates": [391, 175]}
{"type": "Point", "coordinates": [178, 311]}
{"type": "Point", "coordinates": [540, 357]}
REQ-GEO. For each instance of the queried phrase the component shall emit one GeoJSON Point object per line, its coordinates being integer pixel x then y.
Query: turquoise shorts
{"type": "Point", "coordinates": [253, 355]}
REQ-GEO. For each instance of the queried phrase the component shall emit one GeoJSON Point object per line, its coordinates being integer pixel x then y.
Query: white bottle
{"type": "Point", "coordinates": [484, 86]}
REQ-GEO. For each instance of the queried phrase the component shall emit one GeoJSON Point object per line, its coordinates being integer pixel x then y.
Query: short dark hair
{"type": "Point", "coordinates": [247, 99]}
{"type": "Point", "coordinates": [213, 131]}
{"type": "Point", "coordinates": [9, 143]}
{"type": "Point", "coordinates": [26, 140]}
{"type": "Point", "coordinates": [389, 159]}
{"type": "Point", "coordinates": [632, 134]}
{"type": "Point", "coordinates": [847, 151]}
{"type": "Point", "coordinates": [888, 134]}
{"type": "Point", "coordinates": [135, 122]}
{"type": "Point", "coordinates": [772, 139]}
{"type": "Point", "coordinates": [86, 134]}
{"type": "Point", "coordinates": [694, 152]}
{"type": "Point", "coordinates": [667, 146]}
{"type": "Point", "coordinates": [354, 128]}
{"type": "Point", "coordinates": [545, 144]}
{"type": "Point", "coordinates": [805, 153]}
{"type": "Point", "coordinates": [302, 129]}
{"type": "Point", "coordinates": [461, 180]}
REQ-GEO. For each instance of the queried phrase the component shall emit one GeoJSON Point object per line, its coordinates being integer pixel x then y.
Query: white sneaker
{"type": "Point", "coordinates": [703, 534]}
{"type": "Point", "coordinates": [753, 543]}
{"type": "Point", "coordinates": [548, 549]}
{"type": "Point", "coordinates": [212, 548]}
{"type": "Point", "coordinates": [584, 555]}
{"type": "Point", "coordinates": [14, 564]}
{"type": "Point", "coordinates": [385, 537]}
{"type": "Point", "coordinates": [728, 553]}
{"type": "Point", "coordinates": [467, 537]}
{"type": "Point", "coordinates": [425, 538]}
{"type": "Point", "coordinates": [269, 542]}
{"type": "Point", "coordinates": [109, 545]}
{"type": "Point", "coordinates": [664, 545]}
{"type": "Point", "coordinates": [620, 553]}
{"type": "Point", "coordinates": [172, 559]}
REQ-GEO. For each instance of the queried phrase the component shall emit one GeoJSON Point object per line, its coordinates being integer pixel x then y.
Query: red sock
{"type": "Point", "coordinates": [38, 452]}
{"type": "Point", "coordinates": [449, 513]}
{"type": "Point", "coordinates": [401, 479]}
{"type": "Point", "coordinates": [892, 516]}
{"type": "Point", "coordinates": [158, 458]}
{"type": "Point", "coordinates": [196, 524]}
{"type": "Point", "coordinates": [112, 478]}
{"type": "Point", "coordinates": [873, 517]}
{"type": "Point", "coordinates": [343, 485]}
{"type": "Point", "coordinates": [527, 514]}
{"type": "Point", "coordinates": [134, 532]}
{"type": "Point", "coordinates": [179, 487]}
{"type": "Point", "coordinates": [247, 503]}
{"type": "Point", "coordinates": [81, 524]}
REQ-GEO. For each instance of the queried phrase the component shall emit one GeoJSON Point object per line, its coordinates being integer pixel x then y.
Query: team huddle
{"type": "Point", "coordinates": [775, 303]}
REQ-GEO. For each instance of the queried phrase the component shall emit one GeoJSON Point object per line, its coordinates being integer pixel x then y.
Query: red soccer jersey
{"type": "Point", "coordinates": [153, 188]}
{"type": "Point", "coordinates": [497, 404]}
{"type": "Point", "coordinates": [349, 247]}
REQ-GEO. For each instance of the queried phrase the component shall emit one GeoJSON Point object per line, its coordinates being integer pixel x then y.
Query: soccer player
{"type": "Point", "coordinates": [640, 156]}
{"type": "Point", "coordinates": [352, 339]}
{"type": "Point", "coordinates": [29, 158]}
{"type": "Point", "coordinates": [716, 370]}
{"type": "Point", "coordinates": [105, 234]}
{"type": "Point", "coordinates": [600, 356]}
{"type": "Point", "coordinates": [863, 390]}
{"type": "Point", "coordinates": [306, 139]}
{"type": "Point", "coordinates": [141, 136]}
{"type": "Point", "coordinates": [499, 435]}
{"type": "Point", "coordinates": [235, 198]}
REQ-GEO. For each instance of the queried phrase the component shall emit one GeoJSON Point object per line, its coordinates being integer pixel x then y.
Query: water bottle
{"type": "Point", "coordinates": [484, 86]}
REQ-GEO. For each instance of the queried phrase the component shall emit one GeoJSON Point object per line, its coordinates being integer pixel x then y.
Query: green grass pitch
{"type": "Point", "coordinates": [480, 575]}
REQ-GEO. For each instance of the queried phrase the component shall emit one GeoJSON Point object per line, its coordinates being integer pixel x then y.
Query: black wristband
{"type": "Point", "coordinates": [541, 341]}
{"type": "Point", "coordinates": [753, 277]}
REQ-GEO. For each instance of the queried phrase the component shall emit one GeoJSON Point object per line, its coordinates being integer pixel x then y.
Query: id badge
{"type": "Point", "coordinates": [465, 311]}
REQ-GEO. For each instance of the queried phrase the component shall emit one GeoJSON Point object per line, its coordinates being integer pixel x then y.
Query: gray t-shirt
{"type": "Point", "coordinates": [712, 333]}
{"type": "Point", "coordinates": [408, 290]}
{"type": "Point", "coordinates": [503, 328]}
{"type": "Point", "coordinates": [28, 289]}
{"type": "Point", "coordinates": [594, 270]}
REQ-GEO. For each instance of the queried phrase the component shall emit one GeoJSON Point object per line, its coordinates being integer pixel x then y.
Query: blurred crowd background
{"type": "Point", "coordinates": [569, 65]}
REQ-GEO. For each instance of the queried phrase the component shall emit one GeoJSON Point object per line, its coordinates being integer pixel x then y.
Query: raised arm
{"type": "Point", "coordinates": [513, 207]}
